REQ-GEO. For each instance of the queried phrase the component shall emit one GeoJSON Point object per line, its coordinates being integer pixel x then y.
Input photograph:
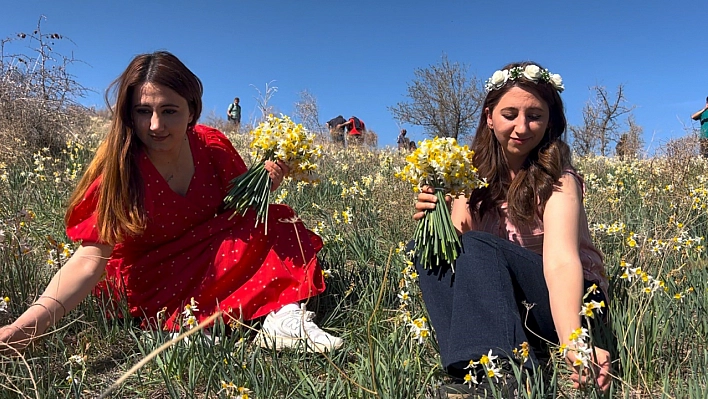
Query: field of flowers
{"type": "Point", "coordinates": [649, 217]}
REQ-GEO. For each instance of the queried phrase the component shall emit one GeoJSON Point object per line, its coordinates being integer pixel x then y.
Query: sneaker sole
{"type": "Point", "coordinates": [269, 342]}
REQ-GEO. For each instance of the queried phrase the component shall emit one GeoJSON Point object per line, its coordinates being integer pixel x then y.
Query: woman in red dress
{"type": "Point", "coordinates": [148, 213]}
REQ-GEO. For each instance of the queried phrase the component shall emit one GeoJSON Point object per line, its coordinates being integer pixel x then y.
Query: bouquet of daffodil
{"type": "Point", "coordinates": [275, 139]}
{"type": "Point", "coordinates": [446, 167]}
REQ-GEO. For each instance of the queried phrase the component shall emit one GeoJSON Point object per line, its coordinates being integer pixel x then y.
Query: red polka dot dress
{"type": "Point", "coordinates": [190, 248]}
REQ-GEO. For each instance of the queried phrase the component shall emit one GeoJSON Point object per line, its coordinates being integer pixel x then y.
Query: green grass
{"type": "Point", "coordinates": [362, 212]}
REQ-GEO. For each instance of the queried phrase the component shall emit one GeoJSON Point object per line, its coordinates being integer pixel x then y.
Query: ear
{"type": "Point", "coordinates": [488, 114]}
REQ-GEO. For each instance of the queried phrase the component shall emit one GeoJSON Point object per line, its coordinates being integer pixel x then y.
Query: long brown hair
{"type": "Point", "coordinates": [120, 210]}
{"type": "Point", "coordinates": [527, 194]}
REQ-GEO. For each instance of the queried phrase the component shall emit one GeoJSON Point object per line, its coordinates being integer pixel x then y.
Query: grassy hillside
{"type": "Point", "coordinates": [648, 217]}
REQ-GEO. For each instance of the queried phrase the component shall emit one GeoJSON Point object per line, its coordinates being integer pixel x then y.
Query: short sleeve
{"type": "Point", "coordinates": [81, 224]}
{"type": "Point", "coordinates": [222, 155]}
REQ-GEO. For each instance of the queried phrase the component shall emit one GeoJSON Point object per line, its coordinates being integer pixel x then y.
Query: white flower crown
{"type": "Point", "coordinates": [531, 72]}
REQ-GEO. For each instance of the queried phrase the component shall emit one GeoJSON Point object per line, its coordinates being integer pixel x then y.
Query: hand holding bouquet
{"type": "Point", "coordinates": [446, 167]}
{"type": "Point", "coordinates": [275, 139]}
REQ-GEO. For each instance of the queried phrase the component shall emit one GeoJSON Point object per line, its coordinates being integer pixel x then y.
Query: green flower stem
{"type": "Point", "coordinates": [436, 240]}
{"type": "Point", "coordinates": [251, 190]}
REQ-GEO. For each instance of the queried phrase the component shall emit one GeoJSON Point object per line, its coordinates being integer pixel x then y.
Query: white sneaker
{"type": "Point", "coordinates": [292, 327]}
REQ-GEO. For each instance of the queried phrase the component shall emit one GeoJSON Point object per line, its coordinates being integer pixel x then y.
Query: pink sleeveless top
{"type": "Point", "coordinates": [531, 238]}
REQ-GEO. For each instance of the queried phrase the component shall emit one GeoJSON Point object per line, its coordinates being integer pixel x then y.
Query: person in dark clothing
{"type": "Point", "coordinates": [336, 132]}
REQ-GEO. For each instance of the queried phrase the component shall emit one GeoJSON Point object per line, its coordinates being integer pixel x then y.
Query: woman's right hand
{"type": "Point", "coordinates": [13, 340]}
{"type": "Point", "coordinates": [427, 201]}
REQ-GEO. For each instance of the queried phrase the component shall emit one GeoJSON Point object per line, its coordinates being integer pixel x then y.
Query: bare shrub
{"type": "Point", "coordinates": [38, 107]}
{"type": "Point", "coordinates": [212, 119]}
{"type": "Point", "coordinates": [371, 139]}
{"type": "Point", "coordinates": [444, 100]}
{"type": "Point", "coordinates": [308, 112]}
{"type": "Point", "coordinates": [602, 121]}
{"type": "Point", "coordinates": [263, 100]}
{"type": "Point", "coordinates": [630, 143]}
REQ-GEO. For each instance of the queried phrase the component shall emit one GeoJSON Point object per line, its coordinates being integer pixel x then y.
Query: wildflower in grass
{"type": "Point", "coordinates": [281, 197]}
{"type": "Point", "coordinates": [3, 304]}
{"type": "Point", "coordinates": [679, 296]}
{"type": "Point", "coordinates": [347, 215]}
{"type": "Point", "coordinates": [410, 273]}
{"type": "Point", "coordinates": [470, 379]}
{"type": "Point", "coordinates": [616, 228]}
{"type": "Point", "coordinates": [493, 371]}
{"type": "Point", "coordinates": [419, 328]}
{"type": "Point", "coordinates": [236, 392]}
{"type": "Point", "coordinates": [51, 258]}
{"type": "Point", "coordinates": [71, 379]}
{"type": "Point", "coordinates": [488, 359]}
{"type": "Point", "coordinates": [2, 236]}
{"type": "Point", "coordinates": [447, 168]}
{"type": "Point", "coordinates": [579, 346]}
{"type": "Point", "coordinates": [632, 240]}
{"type": "Point", "coordinates": [522, 352]}
{"type": "Point", "coordinates": [588, 308]}
{"type": "Point", "coordinates": [77, 360]}
{"type": "Point", "coordinates": [26, 215]}
{"type": "Point", "coordinates": [327, 273]}
{"type": "Point", "coordinates": [191, 307]}
{"type": "Point", "coordinates": [405, 297]}
{"type": "Point", "coordinates": [275, 139]}
{"type": "Point", "coordinates": [629, 273]}
{"type": "Point", "coordinates": [190, 320]}
{"type": "Point", "coordinates": [404, 317]}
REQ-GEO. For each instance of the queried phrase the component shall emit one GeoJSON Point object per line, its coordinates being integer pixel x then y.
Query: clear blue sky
{"type": "Point", "coordinates": [356, 57]}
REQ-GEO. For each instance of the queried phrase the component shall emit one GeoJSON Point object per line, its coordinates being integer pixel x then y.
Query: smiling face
{"type": "Point", "coordinates": [519, 121]}
{"type": "Point", "coordinates": [160, 117]}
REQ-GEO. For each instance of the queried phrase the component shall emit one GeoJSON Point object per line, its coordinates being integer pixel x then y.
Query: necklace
{"type": "Point", "coordinates": [176, 169]}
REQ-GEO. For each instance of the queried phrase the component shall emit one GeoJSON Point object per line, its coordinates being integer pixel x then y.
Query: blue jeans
{"type": "Point", "coordinates": [496, 299]}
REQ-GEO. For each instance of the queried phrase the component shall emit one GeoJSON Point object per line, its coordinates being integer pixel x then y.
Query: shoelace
{"type": "Point", "coordinates": [298, 318]}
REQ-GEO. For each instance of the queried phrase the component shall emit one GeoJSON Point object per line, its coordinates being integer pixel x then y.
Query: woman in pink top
{"type": "Point", "coordinates": [525, 241]}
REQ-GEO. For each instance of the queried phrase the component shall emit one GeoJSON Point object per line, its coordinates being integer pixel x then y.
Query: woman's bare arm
{"type": "Point", "coordinates": [69, 286]}
{"type": "Point", "coordinates": [563, 270]}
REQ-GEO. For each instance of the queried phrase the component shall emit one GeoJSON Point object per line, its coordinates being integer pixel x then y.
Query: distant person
{"type": "Point", "coordinates": [702, 116]}
{"type": "Point", "coordinates": [234, 113]}
{"type": "Point", "coordinates": [403, 141]}
{"type": "Point", "coordinates": [621, 148]}
{"type": "Point", "coordinates": [355, 129]}
{"type": "Point", "coordinates": [336, 130]}
{"type": "Point", "coordinates": [411, 146]}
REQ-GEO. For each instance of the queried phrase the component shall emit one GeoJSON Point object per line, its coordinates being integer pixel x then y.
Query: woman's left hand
{"type": "Point", "coordinates": [600, 363]}
{"type": "Point", "coordinates": [277, 172]}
